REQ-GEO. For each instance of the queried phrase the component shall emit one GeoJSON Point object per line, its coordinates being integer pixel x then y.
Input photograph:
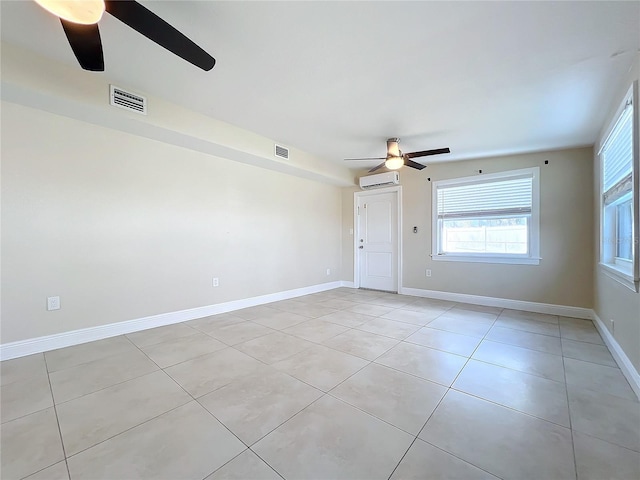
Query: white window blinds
{"type": "Point", "coordinates": [500, 198]}
{"type": "Point", "coordinates": [617, 157]}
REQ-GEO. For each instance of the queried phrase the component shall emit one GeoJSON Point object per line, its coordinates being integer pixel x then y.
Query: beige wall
{"type": "Point", "coordinates": [122, 227]}
{"type": "Point", "coordinates": [32, 80]}
{"type": "Point", "coordinates": [125, 216]}
{"type": "Point", "coordinates": [347, 232]}
{"type": "Point", "coordinates": [612, 300]}
{"type": "Point", "coordinates": [565, 273]}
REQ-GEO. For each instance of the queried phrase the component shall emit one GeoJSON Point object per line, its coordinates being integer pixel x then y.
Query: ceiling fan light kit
{"type": "Point", "coordinates": [83, 12]}
{"type": "Point", "coordinates": [394, 163]}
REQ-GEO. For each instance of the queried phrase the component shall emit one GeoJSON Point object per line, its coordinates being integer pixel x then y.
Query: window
{"type": "Point", "coordinates": [489, 218]}
{"type": "Point", "coordinates": [624, 230]}
{"type": "Point", "coordinates": [619, 221]}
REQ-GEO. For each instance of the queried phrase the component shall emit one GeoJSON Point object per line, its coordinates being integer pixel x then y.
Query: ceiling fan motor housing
{"type": "Point", "coordinates": [393, 148]}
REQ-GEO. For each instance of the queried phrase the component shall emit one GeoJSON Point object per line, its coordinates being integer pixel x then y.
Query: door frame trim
{"type": "Point", "coordinates": [356, 258]}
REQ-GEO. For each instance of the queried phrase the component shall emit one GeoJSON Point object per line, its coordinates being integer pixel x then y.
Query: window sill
{"type": "Point", "coordinates": [619, 275]}
{"type": "Point", "coordinates": [487, 259]}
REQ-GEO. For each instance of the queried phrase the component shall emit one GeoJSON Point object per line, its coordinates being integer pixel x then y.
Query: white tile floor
{"type": "Point", "coordinates": [341, 384]}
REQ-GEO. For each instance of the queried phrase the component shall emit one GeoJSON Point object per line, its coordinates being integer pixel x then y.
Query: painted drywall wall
{"type": "Point", "coordinates": [612, 300]}
{"type": "Point", "coordinates": [122, 227]}
{"type": "Point", "coordinates": [348, 232]}
{"type": "Point", "coordinates": [32, 80]}
{"type": "Point", "coordinates": [565, 273]}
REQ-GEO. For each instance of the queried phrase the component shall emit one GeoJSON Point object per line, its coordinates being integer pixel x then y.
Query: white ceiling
{"type": "Point", "coordinates": [338, 78]}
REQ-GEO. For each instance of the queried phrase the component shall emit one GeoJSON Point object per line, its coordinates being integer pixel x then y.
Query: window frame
{"type": "Point", "coordinates": [530, 258]}
{"type": "Point", "coordinates": [626, 202]}
{"type": "Point", "coordinates": [623, 271]}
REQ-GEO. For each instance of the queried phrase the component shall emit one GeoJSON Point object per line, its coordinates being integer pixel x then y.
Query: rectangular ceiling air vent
{"type": "Point", "coordinates": [127, 100]}
{"type": "Point", "coordinates": [282, 152]}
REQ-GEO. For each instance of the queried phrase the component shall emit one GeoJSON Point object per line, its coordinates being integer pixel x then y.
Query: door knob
{"type": "Point", "coordinates": [361, 247]}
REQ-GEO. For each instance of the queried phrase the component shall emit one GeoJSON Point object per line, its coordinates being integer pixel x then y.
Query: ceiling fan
{"type": "Point", "coordinates": [396, 159]}
{"type": "Point", "coordinates": [80, 23]}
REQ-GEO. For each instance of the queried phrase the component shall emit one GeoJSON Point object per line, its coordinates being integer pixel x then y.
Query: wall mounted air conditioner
{"type": "Point", "coordinates": [380, 180]}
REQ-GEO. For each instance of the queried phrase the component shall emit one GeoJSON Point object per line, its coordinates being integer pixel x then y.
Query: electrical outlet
{"type": "Point", "coordinates": [328, 271]}
{"type": "Point", "coordinates": [216, 282]}
{"type": "Point", "coordinates": [53, 303]}
{"type": "Point", "coordinates": [428, 272]}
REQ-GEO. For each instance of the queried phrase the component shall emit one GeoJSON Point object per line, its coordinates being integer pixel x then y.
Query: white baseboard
{"type": "Point", "coordinates": [562, 310]}
{"type": "Point", "coordinates": [628, 370]}
{"type": "Point", "coordinates": [75, 337]}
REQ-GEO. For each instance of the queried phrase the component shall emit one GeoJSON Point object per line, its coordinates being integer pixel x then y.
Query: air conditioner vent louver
{"type": "Point", "coordinates": [282, 152]}
{"type": "Point", "coordinates": [127, 100]}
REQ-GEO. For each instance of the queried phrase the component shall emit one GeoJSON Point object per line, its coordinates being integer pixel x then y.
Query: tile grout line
{"type": "Point", "coordinates": [248, 449]}
{"type": "Point", "coordinates": [163, 413]}
{"type": "Point", "coordinates": [474, 351]}
{"type": "Point", "coordinates": [566, 386]}
{"type": "Point", "coordinates": [55, 410]}
{"type": "Point", "coordinates": [105, 388]}
{"type": "Point", "coordinates": [322, 394]}
{"type": "Point", "coordinates": [415, 439]}
{"type": "Point", "coordinates": [509, 408]}
{"type": "Point", "coordinates": [460, 458]}
{"type": "Point", "coordinates": [244, 376]}
{"type": "Point", "coordinates": [449, 388]}
{"type": "Point", "coordinates": [374, 415]}
{"type": "Point", "coordinates": [327, 393]}
{"type": "Point", "coordinates": [265, 462]}
{"type": "Point", "coordinates": [127, 430]}
{"type": "Point", "coordinates": [191, 396]}
{"type": "Point", "coordinates": [222, 386]}
{"type": "Point", "coordinates": [416, 436]}
{"type": "Point", "coordinates": [223, 465]}
{"type": "Point", "coordinates": [159, 368]}
{"type": "Point", "coordinates": [508, 368]}
{"type": "Point", "coordinates": [271, 431]}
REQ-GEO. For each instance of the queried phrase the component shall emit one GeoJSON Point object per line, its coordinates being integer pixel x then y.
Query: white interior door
{"type": "Point", "coordinates": [377, 241]}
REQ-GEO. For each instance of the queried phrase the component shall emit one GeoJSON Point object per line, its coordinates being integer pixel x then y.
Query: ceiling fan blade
{"type": "Point", "coordinates": [157, 30]}
{"type": "Point", "coordinates": [412, 164]}
{"type": "Point", "coordinates": [425, 153]}
{"type": "Point", "coordinates": [376, 168]}
{"type": "Point", "coordinates": [86, 45]}
{"type": "Point", "coordinates": [370, 158]}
